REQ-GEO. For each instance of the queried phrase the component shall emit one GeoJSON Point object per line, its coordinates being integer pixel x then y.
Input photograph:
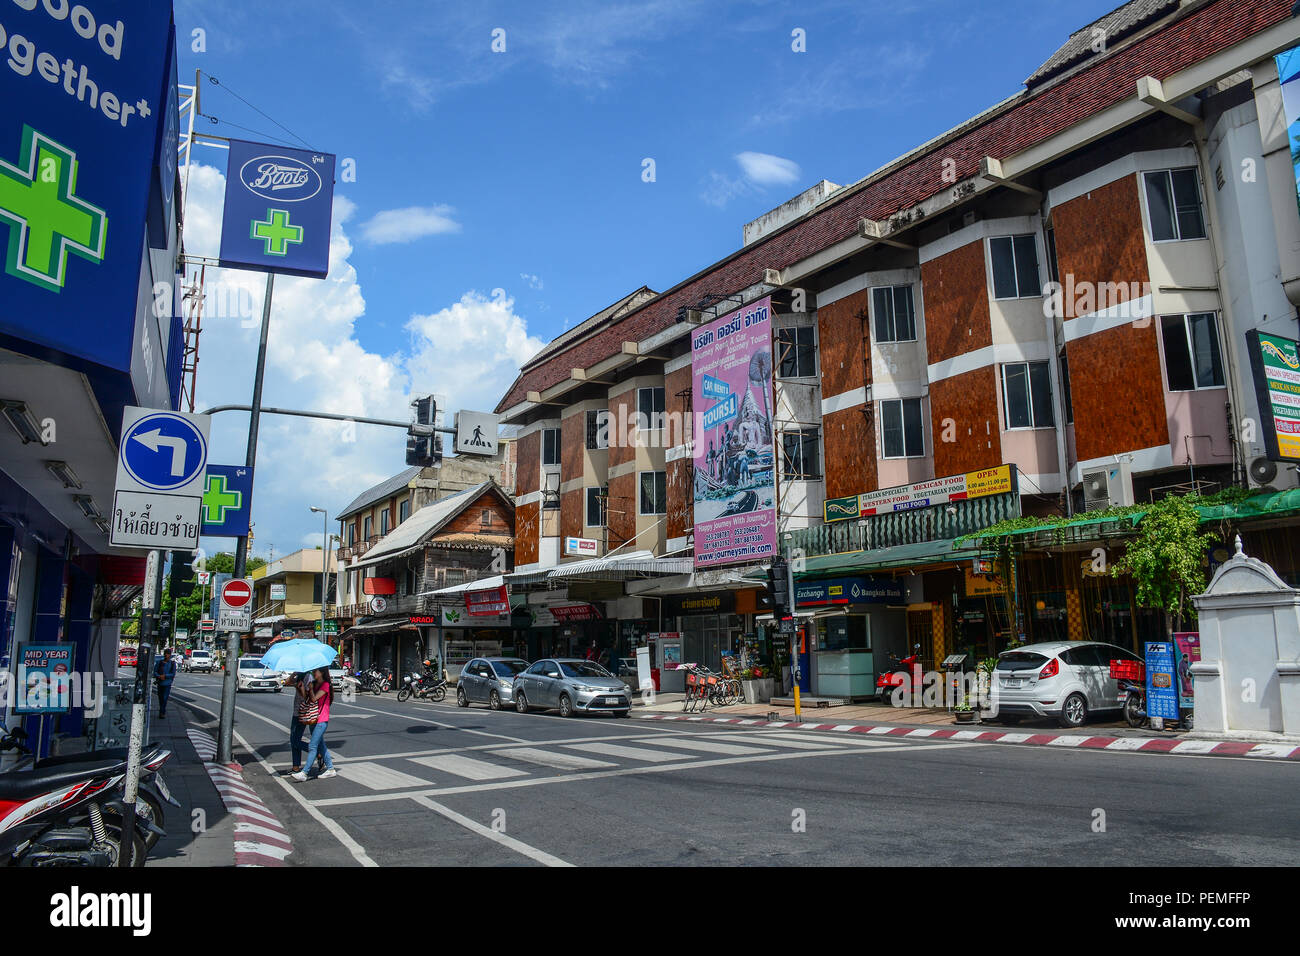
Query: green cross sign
{"type": "Point", "coordinates": [216, 499]}
{"type": "Point", "coordinates": [277, 232]}
{"type": "Point", "coordinates": [46, 220]}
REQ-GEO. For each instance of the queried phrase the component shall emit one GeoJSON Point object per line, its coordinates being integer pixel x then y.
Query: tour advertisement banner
{"type": "Point", "coordinates": [735, 473]}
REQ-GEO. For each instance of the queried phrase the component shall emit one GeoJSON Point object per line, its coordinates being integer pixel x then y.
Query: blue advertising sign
{"type": "Point", "coordinates": [712, 387]}
{"type": "Point", "coordinates": [725, 410]}
{"type": "Point", "coordinates": [1162, 681]}
{"type": "Point", "coordinates": [855, 590]}
{"type": "Point", "coordinates": [227, 500]}
{"type": "Point", "coordinates": [44, 679]}
{"type": "Point", "coordinates": [279, 206]}
{"type": "Point", "coordinates": [82, 89]}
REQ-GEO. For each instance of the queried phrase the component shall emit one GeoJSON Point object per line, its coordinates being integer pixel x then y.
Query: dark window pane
{"type": "Point", "coordinates": [1017, 395]}
{"type": "Point", "coordinates": [810, 462]}
{"type": "Point", "coordinates": [1205, 346]}
{"type": "Point", "coordinates": [1040, 389]}
{"type": "Point", "coordinates": [891, 416]}
{"type": "Point", "coordinates": [788, 351]}
{"type": "Point", "coordinates": [1053, 270]}
{"type": "Point", "coordinates": [1160, 206]}
{"type": "Point", "coordinates": [807, 352]}
{"type": "Point", "coordinates": [904, 323]}
{"type": "Point", "coordinates": [1065, 389]}
{"type": "Point", "coordinates": [883, 308]}
{"type": "Point", "coordinates": [913, 435]}
{"type": "Point", "coordinates": [1178, 364]}
{"type": "Point", "coordinates": [1004, 268]}
{"type": "Point", "coordinates": [1187, 204]}
{"type": "Point", "coordinates": [1027, 266]}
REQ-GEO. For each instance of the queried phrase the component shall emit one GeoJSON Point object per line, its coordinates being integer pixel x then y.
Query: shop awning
{"type": "Point", "coordinates": [376, 627]}
{"type": "Point", "coordinates": [920, 554]}
{"type": "Point", "coordinates": [621, 567]}
{"type": "Point", "coordinates": [1273, 504]}
{"type": "Point", "coordinates": [459, 590]}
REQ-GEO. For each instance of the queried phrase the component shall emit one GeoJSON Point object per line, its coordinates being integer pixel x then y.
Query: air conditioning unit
{"type": "Point", "coordinates": [1262, 471]}
{"type": "Point", "coordinates": [1107, 487]}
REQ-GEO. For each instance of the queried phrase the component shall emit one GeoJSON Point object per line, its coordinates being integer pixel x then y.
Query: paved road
{"type": "Point", "coordinates": [423, 783]}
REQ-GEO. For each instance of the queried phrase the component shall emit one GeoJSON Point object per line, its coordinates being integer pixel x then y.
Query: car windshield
{"type": "Point", "coordinates": [254, 662]}
{"type": "Point", "coordinates": [584, 669]}
{"type": "Point", "coordinates": [509, 668]}
{"type": "Point", "coordinates": [1020, 661]}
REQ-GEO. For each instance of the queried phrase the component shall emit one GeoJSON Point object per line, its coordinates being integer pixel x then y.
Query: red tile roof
{"type": "Point", "coordinates": [1021, 124]}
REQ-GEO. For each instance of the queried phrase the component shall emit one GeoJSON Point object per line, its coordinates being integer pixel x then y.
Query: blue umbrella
{"type": "Point", "coordinates": [300, 654]}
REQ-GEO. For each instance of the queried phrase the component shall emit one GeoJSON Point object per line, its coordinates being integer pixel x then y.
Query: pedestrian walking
{"type": "Point", "coordinates": [164, 672]}
{"type": "Point", "coordinates": [316, 714]}
{"type": "Point", "coordinates": [301, 690]}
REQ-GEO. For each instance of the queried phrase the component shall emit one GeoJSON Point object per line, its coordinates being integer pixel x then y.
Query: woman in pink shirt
{"type": "Point", "coordinates": [322, 695]}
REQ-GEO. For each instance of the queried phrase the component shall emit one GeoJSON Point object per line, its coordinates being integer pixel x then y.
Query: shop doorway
{"type": "Point", "coordinates": [920, 630]}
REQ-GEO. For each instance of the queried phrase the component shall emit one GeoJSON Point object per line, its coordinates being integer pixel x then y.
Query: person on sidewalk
{"type": "Point", "coordinates": [321, 694]}
{"type": "Point", "coordinates": [164, 672]}
{"type": "Point", "coordinates": [301, 685]}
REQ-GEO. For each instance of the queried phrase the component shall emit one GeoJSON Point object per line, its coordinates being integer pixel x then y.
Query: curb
{"type": "Point", "coordinates": [1151, 745]}
{"type": "Point", "coordinates": [260, 838]}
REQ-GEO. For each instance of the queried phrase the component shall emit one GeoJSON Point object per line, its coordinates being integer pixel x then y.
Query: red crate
{"type": "Point", "coordinates": [1128, 670]}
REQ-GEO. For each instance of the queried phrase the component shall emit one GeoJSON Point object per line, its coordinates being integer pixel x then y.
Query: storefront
{"type": "Point", "coordinates": [848, 622]}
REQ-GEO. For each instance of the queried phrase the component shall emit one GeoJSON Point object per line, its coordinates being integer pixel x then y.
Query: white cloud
{"type": "Point", "coordinates": [409, 224]}
{"type": "Point", "coordinates": [768, 170]}
{"type": "Point", "coordinates": [534, 282]}
{"type": "Point", "coordinates": [468, 352]}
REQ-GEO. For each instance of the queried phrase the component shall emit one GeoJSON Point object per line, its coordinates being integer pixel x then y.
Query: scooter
{"type": "Point", "coordinates": [427, 686]}
{"type": "Point", "coordinates": [899, 675]}
{"type": "Point", "coordinates": [1133, 698]}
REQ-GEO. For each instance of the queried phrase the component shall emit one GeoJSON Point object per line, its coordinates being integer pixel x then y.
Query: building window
{"type": "Point", "coordinates": [895, 316]}
{"type": "Point", "coordinates": [1027, 395]}
{"type": "Point", "coordinates": [367, 528]}
{"type": "Point", "coordinates": [485, 518]}
{"type": "Point", "coordinates": [1174, 205]}
{"type": "Point", "coordinates": [352, 533]}
{"type": "Point", "coordinates": [403, 511]}
{"type": "Point", "coordinates": [1015, 267]}
{"type": "Point", "coordinates": [1053, 267]}
{"type": "Point", "coordinates": [316, 583]}
{"type": "Point", "coordinates": [801, 461]}
{"type": "Point", "coordinates": [797, 351]}
{"type": "Point", "coordinates": [902, 435]}
{"type": "Point", "coordinates": [597, 429]}
{"type": "Point", "coordinates": [408, 582]}
{"type": "Point", "coordinates": [595, 508]}
{"type": "Point", "coordinates": [1065, 389]}
{"type": "Point", "coordinates": [654, 492]}
{"type": "Point", "coordinates": [383, 521]}
{"type": "Point", "coordinates": [454, 576]}
{"type": "Point", "coordinates": [1192, 356]}
{"type": "Point", "coordinates": [650, 408]}
{"type": "Point", "coordinates": [550, 446]}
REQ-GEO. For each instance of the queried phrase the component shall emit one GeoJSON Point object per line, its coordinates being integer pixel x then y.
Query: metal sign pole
{"type": "Point", "coordinates": [228, 685]}
{"type": "Point", "coordinates": [139, 706]}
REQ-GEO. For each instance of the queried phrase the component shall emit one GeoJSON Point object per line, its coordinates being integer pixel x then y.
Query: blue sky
{"type": "Point", "coordinates": [521, 172]}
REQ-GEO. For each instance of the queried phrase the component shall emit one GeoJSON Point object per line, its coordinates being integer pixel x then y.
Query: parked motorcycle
{"type": "Point", "coordinates": [428, 686]}
{"type": "Point", "coordinates": [374, 680]}
{"type": "Point", "coordinates": [1133, 697]}
{"type": "Point", "coordinates": [898, 675]}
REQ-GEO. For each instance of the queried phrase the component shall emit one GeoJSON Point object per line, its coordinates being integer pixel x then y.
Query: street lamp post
{"type": "Point", "coordinates": [324, 567]}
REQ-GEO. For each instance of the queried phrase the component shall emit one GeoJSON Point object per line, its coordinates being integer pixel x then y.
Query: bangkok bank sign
{"type": "Point", "coordinates": [278, 213]}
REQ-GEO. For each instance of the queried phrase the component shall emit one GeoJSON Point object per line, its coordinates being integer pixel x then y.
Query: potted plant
{"type": "Point", "coordinates": [964, 712]}
{"type": "Point", "coordinates": [758, 687]}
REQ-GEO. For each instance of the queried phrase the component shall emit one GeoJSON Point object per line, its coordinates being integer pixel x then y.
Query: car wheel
{"type": "Point", "coordinates": [622, 713]}
{"type": "Point", "coordinates": [521, 702]}
{"type": "Point", "coordinates": [566, 706]}
{"type": "Point", "coordinates": [494, 700]}
{"type": "Point", "coordinates": [461, 699]}
{"type": "Point", "coordinates": [1074, 711]}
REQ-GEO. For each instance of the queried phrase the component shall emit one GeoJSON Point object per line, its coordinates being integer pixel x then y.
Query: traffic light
{"type": "Point", "coordinates": [778, 588]}
{"type": "Point", "coordinates": [423, 444]}
{"type": "Point", "coordinates": [182, 577]}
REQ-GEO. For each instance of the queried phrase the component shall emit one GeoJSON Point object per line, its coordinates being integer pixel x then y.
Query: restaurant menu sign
{"type": "Point", "coordinates": [923, 494]}
{"type": "Point", "coordinates": [735, 474]}
{"type": "Point", "coordinates": [1275, 364]}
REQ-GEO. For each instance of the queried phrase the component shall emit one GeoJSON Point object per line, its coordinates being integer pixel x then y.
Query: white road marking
{"type": "Point", "coordinates": [630, 753]}
{"type": "Point", "coordinates": [378, 777]}
{"type": "Point", "coordinates": [468, 768]}
{"type": "Point", "coordinates": [1193, 746]}
{"type": "Point", "coordinates": [772, 740]}
{"type": "Point", "coordinates": [518, 846]}
{"type": "Point", "coordinates": [559, 761]}
{"type": "Point", "coordinates": [709, 745]}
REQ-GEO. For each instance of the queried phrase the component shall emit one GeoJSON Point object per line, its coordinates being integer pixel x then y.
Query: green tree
{"type": "Point", "coordinates": [1166, 559]}
{"type": "Point", "coordinates": [190, 609]}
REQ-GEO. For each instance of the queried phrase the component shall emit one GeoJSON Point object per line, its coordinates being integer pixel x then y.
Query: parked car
{"type": "Point", "coordinates": [254, 675]}
{"type": "Point", "coordinates": [199, 661]}
{"type": "Point", "coordinates": [489, 680]}
{"type": "Point", "coordinates": [573, 686]}
{"type": "Point", "coordinates": [1065, 680]}
{"type": "Point", "coordinates": [126, 657]}
{"type": "Point", "coordinates": [627, 671]}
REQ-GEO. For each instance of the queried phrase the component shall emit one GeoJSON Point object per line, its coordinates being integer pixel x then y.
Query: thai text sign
{"type": "Point", "coordinates": [1275, 362]}
{"type": "Point", "coordinates": [488, 601]}
{"type": "Point", "coordinates": [735, 486]}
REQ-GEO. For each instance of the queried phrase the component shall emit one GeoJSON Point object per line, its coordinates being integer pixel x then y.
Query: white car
{"type": "Point", "coordinates": [1064, 680]}
{"type": "Point", "coordinates": [252, 675]}
{"type": "Point", "coordinates": [199, 661]}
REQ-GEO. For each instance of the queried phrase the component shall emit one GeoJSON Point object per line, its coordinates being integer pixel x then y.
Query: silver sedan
{"type": "Point", "coordinates": [571, 686]}
{"type": "Point", "coordinates": [488, 680]}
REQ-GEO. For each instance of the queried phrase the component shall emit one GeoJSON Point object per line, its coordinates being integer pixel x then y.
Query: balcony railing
{"type": "Point", "coordinates": [358, 548]}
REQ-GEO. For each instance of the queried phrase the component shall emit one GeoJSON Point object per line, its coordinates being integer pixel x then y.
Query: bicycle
{"type": "Point", "coordinates": [698, 689]}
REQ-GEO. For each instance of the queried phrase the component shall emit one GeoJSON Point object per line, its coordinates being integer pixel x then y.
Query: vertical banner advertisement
{"type": "Point", "coordinates": [735, 466]}
{"type": "Point", "coordinates": [1275, 364]}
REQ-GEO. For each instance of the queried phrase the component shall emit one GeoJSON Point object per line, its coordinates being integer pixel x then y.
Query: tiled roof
{"type": "Point", "coordinates": [1020, 123]}
{"type": "Point", "coordinates": [1109, 30]}
{"type": "Point", "coordinates": [380, 492]}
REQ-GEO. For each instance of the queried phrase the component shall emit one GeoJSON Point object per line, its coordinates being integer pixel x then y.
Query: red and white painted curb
{"type": "Point", "coordinates": [1156, 745]}
{"type": "Point", "coordinates": [260, 838]}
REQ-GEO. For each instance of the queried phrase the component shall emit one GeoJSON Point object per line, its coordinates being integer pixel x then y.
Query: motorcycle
{"type": "Point", "coordinates": [428, 685]}
{"type": "Point", "coordinates": [61, 814]}
{"type": "Point", "coordinates": [898, 675]}
{"type": "Point", "coordinates": [1133, 698]}
{"type": "Point", "coordinates": [374, 680]}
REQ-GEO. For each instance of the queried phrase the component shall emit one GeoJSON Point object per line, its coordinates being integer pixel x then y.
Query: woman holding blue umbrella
{"type": "Point", "coordinates": [316, 714]}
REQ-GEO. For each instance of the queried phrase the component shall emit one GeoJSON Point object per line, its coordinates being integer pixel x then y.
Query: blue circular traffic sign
{"type": "Point", "coordinates": [164, 452]}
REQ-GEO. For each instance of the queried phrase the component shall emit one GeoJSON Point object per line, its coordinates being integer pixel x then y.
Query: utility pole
{"type": "Point", "coordinates": [140, 704]}
{"type": "Point", "coordinates": [324, 566]}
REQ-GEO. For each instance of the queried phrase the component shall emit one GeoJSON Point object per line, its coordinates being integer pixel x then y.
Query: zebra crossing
{"type": "Point", "coordinates": [557, 761]}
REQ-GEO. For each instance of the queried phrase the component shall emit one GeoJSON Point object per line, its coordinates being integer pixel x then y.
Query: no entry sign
{"type": "Point", "coordinates": [236, 593]}
{"type": "Point", "coordinates": [236, 611]}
